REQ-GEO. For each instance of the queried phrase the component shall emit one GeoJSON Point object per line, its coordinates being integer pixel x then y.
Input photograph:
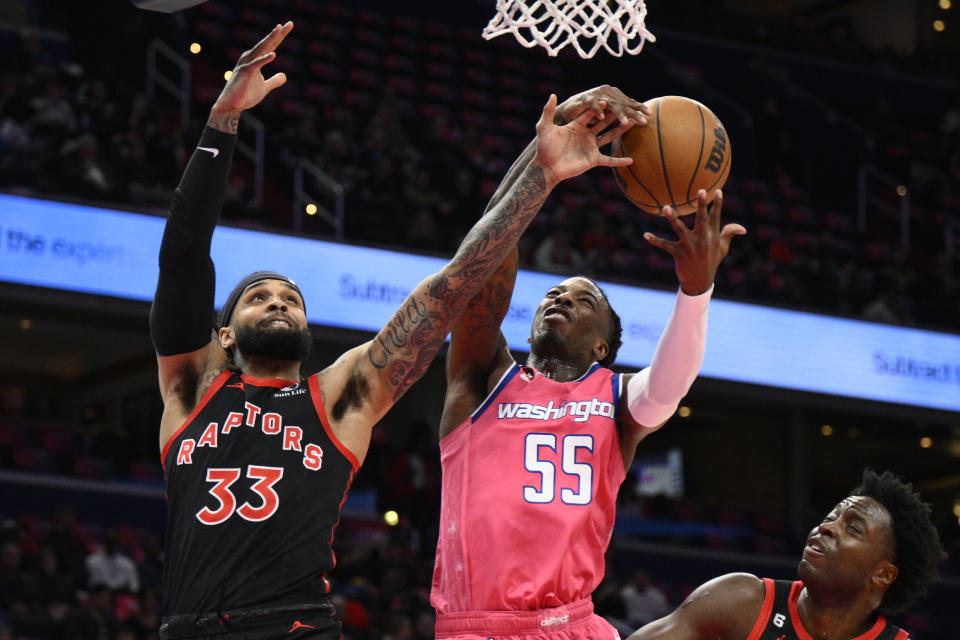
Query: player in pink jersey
{"type": "Point", "coordinates": [533, 455]}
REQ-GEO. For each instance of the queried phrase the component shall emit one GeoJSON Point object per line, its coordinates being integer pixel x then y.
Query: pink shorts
{"type": "Point", "coordinates": [574, 621]}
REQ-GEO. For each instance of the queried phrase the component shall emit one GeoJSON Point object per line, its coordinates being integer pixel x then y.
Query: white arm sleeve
{"type": "Point", "coordinates": [654, 393]}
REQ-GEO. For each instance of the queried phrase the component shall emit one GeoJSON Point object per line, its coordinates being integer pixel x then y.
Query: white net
{"type": "Point", "coordinates": [616, 25]}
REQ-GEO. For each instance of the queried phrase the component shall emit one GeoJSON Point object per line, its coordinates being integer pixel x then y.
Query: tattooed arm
{"type": "Point", "coordinates": [478, 349]}
{"type": "Point", "coordinates": [371, 377]}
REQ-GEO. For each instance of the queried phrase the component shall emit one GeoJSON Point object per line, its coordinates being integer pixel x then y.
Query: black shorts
{"type": "Point", "coordinates": [299, 622]}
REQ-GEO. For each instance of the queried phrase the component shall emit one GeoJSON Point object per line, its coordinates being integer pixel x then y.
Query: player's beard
{"type": "Point", "coordinates": [274, 343]}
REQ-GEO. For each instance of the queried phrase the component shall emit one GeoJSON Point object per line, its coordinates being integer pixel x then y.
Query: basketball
{"type": "Point", "coordinates": [682, 149]}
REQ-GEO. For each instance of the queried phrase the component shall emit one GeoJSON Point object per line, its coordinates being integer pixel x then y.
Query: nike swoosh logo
{"type": "Point", "coordinates": [212, 150]}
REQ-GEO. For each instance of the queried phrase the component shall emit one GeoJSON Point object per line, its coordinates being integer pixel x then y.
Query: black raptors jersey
{"type": "Point", "coordinates": [255, 482]}
{"type": "Point", "coordinates": [779, 619]}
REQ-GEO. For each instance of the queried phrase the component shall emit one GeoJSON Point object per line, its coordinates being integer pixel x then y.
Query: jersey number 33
{"type": "Point", "coordinates": [263, 480]}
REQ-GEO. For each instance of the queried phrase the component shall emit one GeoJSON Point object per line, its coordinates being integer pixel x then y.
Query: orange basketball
{"type": "Point", "coordinates": [682, 149]}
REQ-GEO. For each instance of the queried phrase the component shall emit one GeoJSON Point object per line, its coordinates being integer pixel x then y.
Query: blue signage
{"type": "Point", "coordinates": [112, 253]}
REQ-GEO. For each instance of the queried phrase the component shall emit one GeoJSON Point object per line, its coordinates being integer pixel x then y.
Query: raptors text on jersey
{"type": "Point", "coordinates": [255, 481]}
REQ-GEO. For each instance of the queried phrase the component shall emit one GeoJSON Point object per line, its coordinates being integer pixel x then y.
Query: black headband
{"type": "Point", "coordinates": [234, 297]}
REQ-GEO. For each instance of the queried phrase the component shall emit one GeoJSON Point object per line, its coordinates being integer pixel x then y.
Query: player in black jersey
{"type": "Point", "coordinates": [874, 554]}
{"type": "Point", "coordinates": [258, 460]}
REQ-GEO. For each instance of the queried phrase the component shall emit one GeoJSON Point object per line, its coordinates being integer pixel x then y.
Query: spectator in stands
{"type": "Point", "coordinates": [13, 400]}
{"type": "Point", "coordinates": [422, 232]}
{"type": "Point", "coordinates": [459, 204]}
{"type": "Point", "coordinates": [599, 245]}
{"type": "Point", "coordinates": [51, 111]}
{"type": "Point", "coordinates": [54, 589]}
{"type": "Point", "coordinates": [65, 540]}
{"type": "Point", "coordinates": [950, 124]}
{"type": "Point", "coordinates": [420, 193]}
{"type": "Point", "coordinates": [15, 585]}
{"type": "Point", "coordinates": [557, 254]}
{"type": "Point", "coordinates": [146, 621]}
{"type": "Point", "coordinates": [881, 308]}
{"type": "Point", "coordinates": [109, 566]}
{"type": "Point", "coordinates": [86, 168]}
{"type": "Point", "coordinates": [424, 624]}
{"type": "Point", "coordinates": [94, 619]}
{"type": "Point", "coordinates": [644, 601]}
{"type": "Point", "coordinates": [608, 603]}
{"type": "Point", "coordinates": [398, 626]}
{"type": "Point", "coordinates": [150, 566]}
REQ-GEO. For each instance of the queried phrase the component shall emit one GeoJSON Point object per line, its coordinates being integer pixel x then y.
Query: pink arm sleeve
{"type": "Point", "coordinates": [654, 393]}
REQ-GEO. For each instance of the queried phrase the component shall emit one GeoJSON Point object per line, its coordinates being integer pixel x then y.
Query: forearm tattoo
{"type": "Point", "coordinates": [407, 344]}
{"type": "Point", "coordinates": [226, 123]}
{"type": "Point", "coordinates": [490, 304]}
{"type": "Point", "coordinates": [514, 172]}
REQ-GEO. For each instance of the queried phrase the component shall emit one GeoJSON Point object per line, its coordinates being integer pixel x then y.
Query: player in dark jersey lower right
{"type": "Point", "coordinates": [874, 554]}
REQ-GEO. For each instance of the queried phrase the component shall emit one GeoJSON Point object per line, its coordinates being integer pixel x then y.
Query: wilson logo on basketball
{"type": "Point", "coordinates": [682, 149]}
{"type": "Point", "coordinates": [715, 161]}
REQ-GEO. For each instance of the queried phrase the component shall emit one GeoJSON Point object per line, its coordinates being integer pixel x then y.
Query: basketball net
{"type": "Point", "coordinates": [587, 25]}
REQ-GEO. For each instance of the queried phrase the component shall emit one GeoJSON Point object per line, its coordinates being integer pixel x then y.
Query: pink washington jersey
{"type": "Point", "coordinates": [530, 485]}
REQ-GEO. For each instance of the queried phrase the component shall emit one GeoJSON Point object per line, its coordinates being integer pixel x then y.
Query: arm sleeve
{"type": "Point", "coordinates": [181, 317]}
{"type": "Point", "coordinates": [654, 393]}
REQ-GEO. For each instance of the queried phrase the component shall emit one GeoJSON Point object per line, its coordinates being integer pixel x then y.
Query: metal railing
{"type": "Point", "coordinates": [301, 198]}
{"type": "Point", "coordinates": [778, 76]}
{"type": "Point", "coordinates": [950, 232]}
{"type": "Point", "coordinates": [867, 197]}
{"type": "Point", "coordinates": [255, 153]}
{"type": "Point", "coordinates": [179, 88]}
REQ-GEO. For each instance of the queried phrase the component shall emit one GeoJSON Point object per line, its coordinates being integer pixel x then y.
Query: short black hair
{"type": "Point", "coordinates": [615, 333]}
{"type": "Point", "coordinates": [917, 549]}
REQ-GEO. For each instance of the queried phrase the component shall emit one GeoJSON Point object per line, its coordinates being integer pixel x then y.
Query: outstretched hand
{"type": "Point", "coordinates": [622, 105]}
{"type": "Point", "coordinates": [569, 150]}
{"type": "Point", "coordinates": [698, 251]}
{"type": "Point", "coordinates": [247, 87]}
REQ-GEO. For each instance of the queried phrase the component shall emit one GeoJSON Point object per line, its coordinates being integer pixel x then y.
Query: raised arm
{"type": "Point", "coordinates": [181, 318]}
{"type": "Point", "coordinates": [724, 608]}
{"type": "Point", "coordinates": [652, 395]}
{"type": "Point", "coordinates": [366, 382]}
{"type": "Point", "coordinates": [478, 352]}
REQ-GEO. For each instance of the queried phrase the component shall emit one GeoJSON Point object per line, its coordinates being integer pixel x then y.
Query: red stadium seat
{"type": "Point", "coordinates": [404, 87]}
{"type": "Point", "coordinates": [30, 459]}
{"type": "Point", "coordinates": [440, 91]}
{"type": "Point", "coordinates": [399, 63]}
{"type": "Point", "coordinates": [92, 467]}
{"type": "Point", "coordinates": [405, 44]}
{"type": "Point", "coordinates": [441, 51]}
{"type": "Point", "coordinates": [478, 58]}
{"type": "Point", "coordinates": [477, 98]}
{"type": "Point", "coordinates": [441, 71]}
{"type": "Point", "coordinates": [439, 31]}
{"type": "Point", "coordinates": [368, 38]}
{"type": "Point", "coordinates": [364, 57]}
{"type": "Point", "coordinates": [408, 25]}
{"type": "Point", "coordinates": [357, 99]}
{"type": "Point", "coordinates": [768, 210]}
{"type": "Point", "coordinates": [372, 19]}
{"type": "Point", "coordinates": [803, 216]}
{"type": "Point", "coordinates": [255, 17]}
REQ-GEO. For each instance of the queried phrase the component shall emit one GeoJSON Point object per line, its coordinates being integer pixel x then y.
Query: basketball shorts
{"type": "Point", "coordinates": [300, 622]}
{"type": "Point", "coordinates": [575, 621]}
